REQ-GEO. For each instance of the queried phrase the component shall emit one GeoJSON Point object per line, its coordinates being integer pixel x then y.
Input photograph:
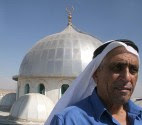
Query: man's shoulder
{"type": "Point", "coordinates": [69, 109]}
{"type": "Point", "coordinates": [78, 114]}
{"type": "Point", "coordinates": [77, 108]}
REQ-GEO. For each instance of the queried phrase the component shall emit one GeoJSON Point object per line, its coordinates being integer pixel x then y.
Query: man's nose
{"type": "Point", "coordinates": [126, 74]}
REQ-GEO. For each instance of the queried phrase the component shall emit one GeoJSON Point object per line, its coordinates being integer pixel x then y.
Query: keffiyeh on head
{"type": "Point", "coordinates": [84, 83]}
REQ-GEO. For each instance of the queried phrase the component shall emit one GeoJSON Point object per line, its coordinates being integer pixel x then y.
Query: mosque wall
{"type": "Point", "coordinates": [52, 86]}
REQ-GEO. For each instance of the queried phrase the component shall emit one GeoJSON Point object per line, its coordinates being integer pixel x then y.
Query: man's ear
{"type": "Point", "coordinates": [95, 76]}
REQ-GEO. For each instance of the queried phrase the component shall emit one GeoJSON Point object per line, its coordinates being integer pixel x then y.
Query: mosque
{"type": "Point", "coordinates": [46, 71]}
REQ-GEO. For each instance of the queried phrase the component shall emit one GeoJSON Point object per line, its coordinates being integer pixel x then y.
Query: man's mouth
{"type": "Point", "coordinates": [123, 89]}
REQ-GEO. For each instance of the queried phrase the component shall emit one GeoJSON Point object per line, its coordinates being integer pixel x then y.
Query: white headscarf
{"type": "Point", "coordinates": [84, 84]}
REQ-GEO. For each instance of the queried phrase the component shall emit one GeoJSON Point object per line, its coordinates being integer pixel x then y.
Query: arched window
{"type": "Point", "coordinates": [41, 89]}
{"type": "Point", "coordinates": [64, 87]}
{"type": "Point", "coordinates": [27, 88]}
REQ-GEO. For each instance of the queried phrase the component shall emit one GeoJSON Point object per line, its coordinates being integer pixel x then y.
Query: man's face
{"type": "Point", "coordinates": [116, 76]}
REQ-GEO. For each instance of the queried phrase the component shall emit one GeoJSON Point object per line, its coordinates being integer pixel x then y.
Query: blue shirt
{"type": "Point", "coordinates": [91, 111]}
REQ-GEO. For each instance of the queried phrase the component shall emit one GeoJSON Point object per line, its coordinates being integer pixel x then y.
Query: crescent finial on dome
{"type": "Point", "coordinates": [69, 11]}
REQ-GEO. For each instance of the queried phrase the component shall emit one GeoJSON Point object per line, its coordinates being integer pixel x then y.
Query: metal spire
{"type": "Point", "coordinates": [69, 11]}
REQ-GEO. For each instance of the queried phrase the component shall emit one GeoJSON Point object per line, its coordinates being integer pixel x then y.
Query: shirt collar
{"type": "Point", "coordinates": [99, 108]}
{"type": "Point", "coordinates": [133, 108]}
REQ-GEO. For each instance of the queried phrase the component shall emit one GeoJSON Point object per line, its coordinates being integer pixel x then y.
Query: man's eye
{"type": "Point", "coordinates": [133, 69]}
{"type": "Point", "coordinates": [117, 68]}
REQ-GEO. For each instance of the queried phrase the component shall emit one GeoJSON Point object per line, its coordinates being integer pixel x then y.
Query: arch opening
{"type": "Point", "coordinates": [41, 89]}
{"type": "Point", "coordinates": [64, 87]}
{"type": "Point", "coordinates": [27, 89]}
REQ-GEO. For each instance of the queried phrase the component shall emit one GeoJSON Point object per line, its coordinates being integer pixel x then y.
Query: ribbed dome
{"type": "Point", "coordinates": [32, 107]}
{"type": "Point", "coordinates": [8, 100]}
{"type": "Point", "coordinates": [62, 54]}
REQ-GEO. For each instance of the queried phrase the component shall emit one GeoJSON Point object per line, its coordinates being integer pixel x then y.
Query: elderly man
{"type": "Point", "coordinates": [101, 94]}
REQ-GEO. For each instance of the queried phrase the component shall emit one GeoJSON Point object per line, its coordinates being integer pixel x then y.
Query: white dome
{"type": "Point", "coordinates": [32, 107]}
{"type": "Point", "coordinates": [62, 54]}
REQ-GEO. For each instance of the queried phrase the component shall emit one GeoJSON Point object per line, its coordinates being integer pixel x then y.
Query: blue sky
{"type": "Point", "coordinates": [24, 22]}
